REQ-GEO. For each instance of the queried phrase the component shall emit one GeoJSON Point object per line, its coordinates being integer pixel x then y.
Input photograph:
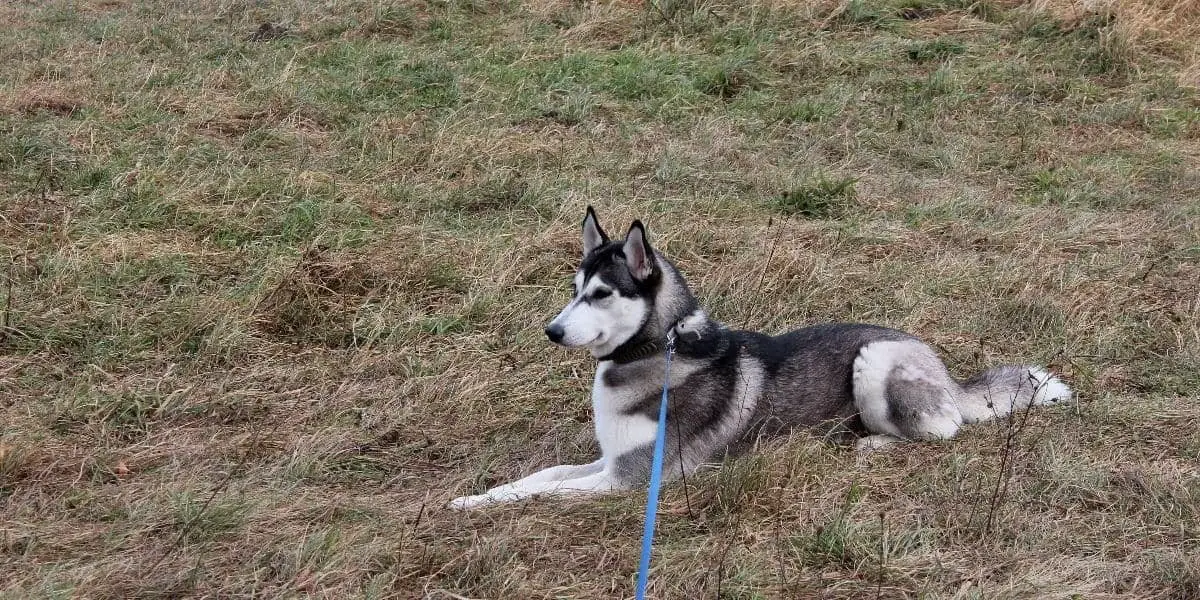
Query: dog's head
{"type": "Point", "coordinates": [613, 292]}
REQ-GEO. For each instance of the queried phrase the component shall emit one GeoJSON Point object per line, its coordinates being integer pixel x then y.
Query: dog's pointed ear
{"type": "Point", "coordinates": [638, 254]}
{"type": "Point", "coordinates": [593, 235]}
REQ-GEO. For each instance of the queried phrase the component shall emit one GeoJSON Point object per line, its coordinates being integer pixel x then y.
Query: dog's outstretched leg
{"type": "Point", "coordinates": [596, 483]}
{"type": "Point", "coordinates": [551, 474]}
{"type": "Point", "coordinates": [560, 473]}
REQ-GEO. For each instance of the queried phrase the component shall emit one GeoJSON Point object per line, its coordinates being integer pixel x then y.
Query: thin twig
{"type": "Point", "coordinates": [1015, 427]}
{"type": "Point", "coordinates": [882, 556]}
{"type": "Point", "coordinates": [779, 527]}
{"type": "Point", "coordinates": [770, 253]}
{"type": "Point", "coordinates": [737, 520]}
{"type": "Point", "coordinates": [217, 490]}
{"type": "Point", "coordinates": [687, 496]}
{"type": "Point", "coordinates": [8, 298]}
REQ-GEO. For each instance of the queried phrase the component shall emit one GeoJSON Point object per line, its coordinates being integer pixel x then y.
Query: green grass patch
{"type": "Point", "coordinates": [200, 519]}
{"type": "Point", "coordinates": [939, 49]}
{"type": "Point", "coordinates": [817, 197]}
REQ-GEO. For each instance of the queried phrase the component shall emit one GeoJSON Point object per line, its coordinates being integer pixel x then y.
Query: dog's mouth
{"type": "Point", "coordinates": [594, 341]}
{"type": "Point", "coordinates": [565, 343]}
{"type": "Point", "coordinates": [588, 344]}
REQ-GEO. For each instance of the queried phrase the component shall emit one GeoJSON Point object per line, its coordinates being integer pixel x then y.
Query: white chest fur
{"type": "Point", "coordinates": [616, 431]}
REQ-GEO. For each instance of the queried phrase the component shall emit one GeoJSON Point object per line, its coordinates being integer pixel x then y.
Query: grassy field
{"type": "Point", "coordinates": [276, 274]}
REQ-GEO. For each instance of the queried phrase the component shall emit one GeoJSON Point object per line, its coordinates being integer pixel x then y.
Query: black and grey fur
{"type": "Point", "coordinates": [729, 387]}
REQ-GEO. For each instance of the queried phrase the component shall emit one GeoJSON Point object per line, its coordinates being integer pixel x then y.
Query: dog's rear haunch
{"type": "Point", "coordinates": [729, 387]}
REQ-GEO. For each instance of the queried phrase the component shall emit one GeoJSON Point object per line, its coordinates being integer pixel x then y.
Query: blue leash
{"type": "Point", "coordinates": [660, 442]}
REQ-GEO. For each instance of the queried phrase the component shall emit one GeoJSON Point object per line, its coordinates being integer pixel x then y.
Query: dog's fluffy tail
{"type": "Point", "coordinates": [998, 391]}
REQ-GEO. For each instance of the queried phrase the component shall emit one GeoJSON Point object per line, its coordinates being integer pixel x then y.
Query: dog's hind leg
{"type": "Point", "coordinates": [903, 391]}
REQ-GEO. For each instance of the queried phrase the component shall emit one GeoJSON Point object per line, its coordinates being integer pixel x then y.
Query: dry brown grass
{"type": "Point", "coordinates": [1168, 26]}
{"type": "Point", "coordinates": [269, 304]}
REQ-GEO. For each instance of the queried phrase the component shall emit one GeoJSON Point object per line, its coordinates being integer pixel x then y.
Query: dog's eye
{"type": "Point", "coordinates": [601, 294]}
{"type": "Point", "coordinates": [574, 290]}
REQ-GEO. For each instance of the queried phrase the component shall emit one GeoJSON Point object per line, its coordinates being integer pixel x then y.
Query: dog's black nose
{"type": "Point", "coordinates": [555, 333]}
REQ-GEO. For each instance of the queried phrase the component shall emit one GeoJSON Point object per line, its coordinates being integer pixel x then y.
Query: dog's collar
{"type": "Point", "coordinates": [623, 355]}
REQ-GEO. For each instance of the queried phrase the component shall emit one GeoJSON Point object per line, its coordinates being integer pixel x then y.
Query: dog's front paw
{"type": "Point", "coordinates": [469, 502]}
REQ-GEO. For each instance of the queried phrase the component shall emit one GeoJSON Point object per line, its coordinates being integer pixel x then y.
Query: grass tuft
{"type": "Point", "coordinates": [939, 49]}
{"type": "Point", "coordinates": [728, 79]}
{"type": "Point", "coordinates": [818, 197]}
{"type": "Point", "coordinates": [200, 520]}
{"type": "Point", "coordinates": [865, 13]}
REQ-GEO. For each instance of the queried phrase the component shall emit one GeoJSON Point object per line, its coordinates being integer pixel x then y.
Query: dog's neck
{"type": "Point", "coordinates": [634, 350]}
{"type": "Point", "coordinates": [675, 309]}
{"type": "Point", "coordinates": [649, 340]}
{"type": "Point", "coordinates": [696, 336]}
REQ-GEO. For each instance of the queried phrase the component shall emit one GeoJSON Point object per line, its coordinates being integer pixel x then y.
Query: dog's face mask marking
{"type": "Point", "coordinates": [606, 308]}
{"type": "Point", "coordinates": [598, 317]}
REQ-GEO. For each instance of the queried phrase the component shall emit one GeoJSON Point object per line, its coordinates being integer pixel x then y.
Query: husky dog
{"type": "Point", "coordinates": [728, 387]}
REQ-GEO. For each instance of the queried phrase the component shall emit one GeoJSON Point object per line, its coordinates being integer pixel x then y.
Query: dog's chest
{"type": "Point", "coordinates": [618, 431]}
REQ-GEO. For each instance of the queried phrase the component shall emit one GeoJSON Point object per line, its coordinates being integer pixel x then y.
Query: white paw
{"type": "Point", "coordinates": [470, 502]}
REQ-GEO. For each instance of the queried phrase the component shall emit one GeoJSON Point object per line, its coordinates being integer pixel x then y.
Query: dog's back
{"type": "Point", "coordinates": [809, 373]}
